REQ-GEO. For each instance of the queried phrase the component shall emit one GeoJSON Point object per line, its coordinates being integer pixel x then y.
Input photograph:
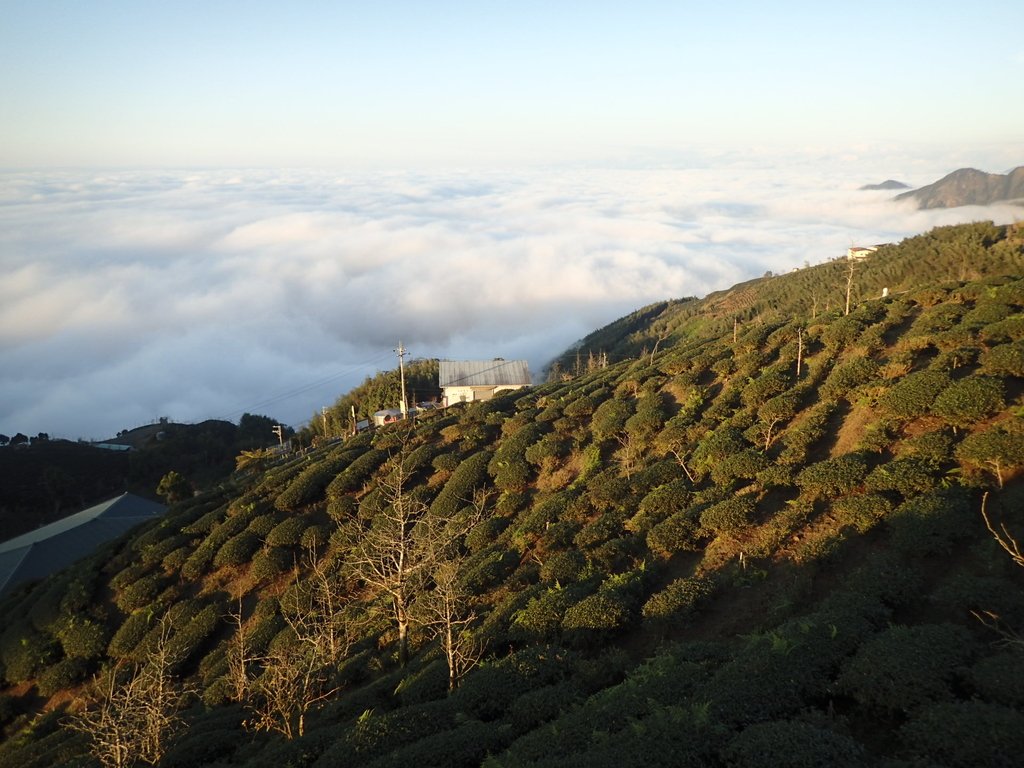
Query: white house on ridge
{"type": "Point", "coordinates": [464, 381]}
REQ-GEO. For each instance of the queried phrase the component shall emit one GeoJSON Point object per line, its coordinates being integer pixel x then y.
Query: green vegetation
{"type": "Point", "coordinates": [749, 534]}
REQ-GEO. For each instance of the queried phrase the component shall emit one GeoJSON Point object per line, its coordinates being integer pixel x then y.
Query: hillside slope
{"type": "Point", "coordinates": [760, 543]}
{"type": "Point", "coordinates": [969, 186]}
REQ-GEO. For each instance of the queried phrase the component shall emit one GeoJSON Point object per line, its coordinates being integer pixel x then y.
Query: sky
{"type": "Point", "coordinates": [218, 207]}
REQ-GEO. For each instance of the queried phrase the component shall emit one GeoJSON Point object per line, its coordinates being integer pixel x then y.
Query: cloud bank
{"type": "Point", "coordinates": [129, 296]}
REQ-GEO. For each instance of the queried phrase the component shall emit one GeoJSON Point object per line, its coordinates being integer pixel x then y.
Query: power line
{"type": "Point", "coordinates": [288, 394]}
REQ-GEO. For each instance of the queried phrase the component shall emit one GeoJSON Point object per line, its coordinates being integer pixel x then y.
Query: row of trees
{"type": "Point", "coordinates": [405, 557]}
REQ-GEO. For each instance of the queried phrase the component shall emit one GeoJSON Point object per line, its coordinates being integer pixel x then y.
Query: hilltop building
{"type": "Point", "coordinates": [464, 381]}
{"type": "Point", "coordinates": [861, 252]}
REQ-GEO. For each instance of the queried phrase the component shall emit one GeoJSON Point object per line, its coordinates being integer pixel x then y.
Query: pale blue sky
{"type": "Point", "coordinates": [467, 83]}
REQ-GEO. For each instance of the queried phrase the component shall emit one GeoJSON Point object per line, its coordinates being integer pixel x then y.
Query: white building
{"type": "Point", "coordinates": [464, 381]}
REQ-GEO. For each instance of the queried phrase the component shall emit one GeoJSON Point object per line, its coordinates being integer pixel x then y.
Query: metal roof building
{"type": "Point", "coordinates": [47, 549]}
{"type": "Point", "coordinates": [468, 380]}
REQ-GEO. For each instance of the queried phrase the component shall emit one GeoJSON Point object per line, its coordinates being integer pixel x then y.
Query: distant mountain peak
{"type": "Point", "coordinates": [887, 184]}
{"type": "Point", "coordinates": [969, 186]}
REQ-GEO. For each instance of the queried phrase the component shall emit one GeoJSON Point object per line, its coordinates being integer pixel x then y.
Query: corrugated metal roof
{"type": "Point", "coordinates": [54, 546]}
{"type": "Point", "coordinates": [483, 373]}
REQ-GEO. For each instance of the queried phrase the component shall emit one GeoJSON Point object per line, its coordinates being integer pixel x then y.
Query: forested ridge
{"type": "Point", "coordinates": [775, 526]}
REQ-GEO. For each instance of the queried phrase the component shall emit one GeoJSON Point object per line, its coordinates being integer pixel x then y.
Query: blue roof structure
{"type": "Point", "coordinates": [46, 550]}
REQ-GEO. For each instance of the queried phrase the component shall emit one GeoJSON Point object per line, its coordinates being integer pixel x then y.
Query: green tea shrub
{"type": "Point", "coordinates": [607, 526]}
{"type": "Point", "coordinates": [550, 447]}
{"type": "Point", "coordinates": [287, 533]}
{"type": "Point", "coordinates": [511, 475]}
{"type": "Point", "coordinates": [997, 678]}
{"type": "Point", "coordinates": [541, 618]}
{"type": "Point", "coordinates": [128, 636]}
{"type": "Point", "coordinates": [489, 568]}
{"type": "Point", "coordinates": [542, 705]}
{"type": "Point", "coordinates": [832, 477]}
{"type": "Point", "coordinates": [206, 523]}
{"type": "Point", "coordinates": [935, 447]}
{"type": "Point", "coordinates": [847, 377]}
{"type": "Point", "coordinates": [969, 400]}
{"type": "Point", "coordinates": [1004, 360]}
{"type": "Point", "coordinates": [83, 638]}
{"type": "Point", "coordinates": [718, 445]}
{"type": "Point", "coordinates": [560, 534]}
{"type": "Point", "coordinates": [862, 512]}
{"type": "Point", "coordinates": [745, 464]}
{"type": "Point", "coordinates": [493, 687]}
{"type": "Point", "coordinates": [986, 313]}
{"type": "Point", "coordinates": [679, 600]}
{"type": "Point", "coordinates": [604, 610]}
{"type": "Point", "coordinates": [904, 667]}
{"type": "Point", "coordinates": [468, 743]}
{"type": "Point", "coordinates": [139, 593]}
{"type": "Point", "coordinates": [61, 676]}
{"type": "Point", "coordinates": [1005, 331]}
{"type": "Point", "coordinates": [356, 474]}
{"type": "Point", "coordinates": [25, 652]}
{"type": "Point", "coordinates": [564, 567]}
{"type": "Point", "coordinates": [659, 504]}
{"type": "Point", "coordinates": [729, 516]}
{"type": "Point", "coordinates": [485, 533]}
{"type": "Point", "coordinates": [679, 532]}
{"type": "Point", "coordinates": [794, 744]}
{"type": "Point", "coordinates": [936, 319]}
{"type": "Point", "coordinates": [237, 550]}
{"type": "Point", "coordinates": [799, 438]}
{"type": "Point", "coordinates": [930, 523]}
{"type": "Point", "coordinates": [156, 552]}
{"type": "Point", "coordinates": [997, 449]}
{"type": "Point", "coordinates": [768, 384]}
{"type": "Point", "coordinates": [649, 417]}
{"type": "Point", "coordinates": [310, 484]}
{"type": "Point", "coordinates": [123, 578]}
{"type": "Point", "coordinates": [907, 476]}
{"type": "Point", "coordinates": [315, 537]}
{"type": "Point", "coordinates": [264, 524]}
{"type": "Point", "coordinates": [470, 476]}
{"type": "Point", "coordinates": [610, 418]}
{"type": "Point", "coordinates": [914, 394]}
{"type": "Point", "coordinates": [608, 489]}
{"type": "Point", "coordinates": [964, 734]}
{"type": "Point", "coordinates": [270, 562]}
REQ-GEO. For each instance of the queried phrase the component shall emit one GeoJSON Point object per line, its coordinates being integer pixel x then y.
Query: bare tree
{"type": "Point", "coordinates": [447, 605]}
{"type": "Point", "coordinates": [239, 657]}
{"type": "Point", "coordinates": [629, 453]}
{"type": "Point", "coordinates": [134, 708]}
{"type": "Point", "coordinates": [388, 557]}
{"type": "Point", "coordinates": [1009, 544]}
{"type": "Point", "coordinates": [448, 613]}
{"type": "Point", "coordinates": [1002, 536]}
{"type": "Point", "coordinates": [295, 677]}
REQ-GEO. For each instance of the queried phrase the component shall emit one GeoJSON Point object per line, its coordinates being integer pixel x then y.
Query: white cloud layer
{"type": "Point", "coordinates": [129, 296]}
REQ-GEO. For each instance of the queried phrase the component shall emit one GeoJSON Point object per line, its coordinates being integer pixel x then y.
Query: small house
{"type": "Point", "coordinates": [386, 416]}
{"type": "Point", "coordinates": [465, 381]}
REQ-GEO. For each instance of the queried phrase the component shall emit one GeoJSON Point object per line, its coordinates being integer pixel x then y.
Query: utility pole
{"type": "Point", "coordinates": [355, 426]}
{"type": "Point", "coordinates": [849, 285]}
{"type": "Point", "coordinates": [401, 372]}
{"type": "Point", "coordinates": [323, 413]}
{"type": "Point", "coordinates": [799, 348]}
{"type": "Point", "coordinates": [279, 431]}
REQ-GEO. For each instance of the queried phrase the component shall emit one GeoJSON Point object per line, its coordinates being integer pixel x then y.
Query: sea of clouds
{"type": "Point", "coordinates": [127, 296]}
